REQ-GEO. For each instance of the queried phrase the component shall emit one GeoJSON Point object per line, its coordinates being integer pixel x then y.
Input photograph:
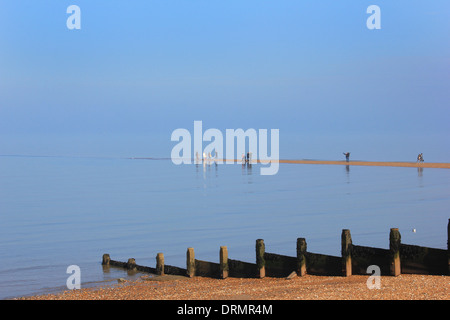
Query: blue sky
{"type": "Point", "coordinates": [140, 69]}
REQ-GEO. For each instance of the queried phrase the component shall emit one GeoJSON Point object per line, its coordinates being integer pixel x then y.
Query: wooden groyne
{"type": "Point", "coordinates": [355, 259]}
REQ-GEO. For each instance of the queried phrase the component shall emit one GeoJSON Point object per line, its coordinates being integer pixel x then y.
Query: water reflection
{"type": "Point", "coordinates": [114, 270]}
{"type": "Point", "coordinates": [347, 171]}
{"type": "Point", "coordinates": [420, 176]}
{"type": "Point", "coordinates": [207, 165]}
{"type": "Point", "coordinates": [247, 169]}
{"type": "Point", "coordinates": [106, 268]}
{"type": "Point", "coordinates": [420, 171]}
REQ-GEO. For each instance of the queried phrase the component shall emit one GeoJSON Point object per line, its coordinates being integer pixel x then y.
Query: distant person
{"type": "Point", "coordinates": [420, 157]}
{"type": "Point", "coordinates": [347, 156]}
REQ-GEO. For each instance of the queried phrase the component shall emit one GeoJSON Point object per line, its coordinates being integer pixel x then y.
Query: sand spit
{"type": "Point", "coordinates": [373, 163]}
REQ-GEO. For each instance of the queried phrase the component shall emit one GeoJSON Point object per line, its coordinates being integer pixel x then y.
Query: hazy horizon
{"type": "Point", "coordinates": [136, 71]}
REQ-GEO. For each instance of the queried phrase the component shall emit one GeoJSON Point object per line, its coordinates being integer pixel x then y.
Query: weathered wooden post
{"type": "Point", "coordinates": [224, 262]}
{"type": "Point", "coordinates": [301, 257]}
{"type": "Point", "coordinates": [131, 264]}
{"type": "Point", "coordinates": [448, 245]}
{"type": "Point", "coordinates": [190, 262]}
{"type": "Point", "coordinates": [160, 264]}
{"type": "Point", "coordinates": [346, 252]}
{"type": "Point", "coordinates": [260, 262]}
{"type": "Point", "coordinates": [106, 259]}
{"type": "Point", "coordinates": [394, 248]}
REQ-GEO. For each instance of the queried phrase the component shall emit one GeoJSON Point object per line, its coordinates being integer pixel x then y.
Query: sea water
{"type": "Point", "coordinates": [62, 211]}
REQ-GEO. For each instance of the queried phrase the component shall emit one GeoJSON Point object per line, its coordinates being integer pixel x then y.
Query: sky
{"type": "Point", "coordinates": [138, 70]}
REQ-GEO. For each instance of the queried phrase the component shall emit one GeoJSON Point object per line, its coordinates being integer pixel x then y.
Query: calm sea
{"type": "Point", "coordinates": [62, 211]}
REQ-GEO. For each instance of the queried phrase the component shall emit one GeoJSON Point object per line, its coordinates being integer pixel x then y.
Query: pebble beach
{"type": "Point", "coordinates": [309, 287]}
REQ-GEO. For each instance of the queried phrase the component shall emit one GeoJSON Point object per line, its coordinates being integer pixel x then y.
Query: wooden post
{"type": "Point", "coordinates": [448, 245]}
{"type": "Point", "coordinates": [260, 262]}
{"type": "Point", "coordinates": [190, 262]}
{"type": "Point", "coordinates": [301, 257]}
{"type": "Point", "coordinates": [106, 259]}
{"type": "Point", "coordinates": [346, 251]}
{"type": "Point", "coordinates": [131, 264]}
{"type": "Point", "coordinates": [394, 248]}
{"type": "Point", "coordinates": [224, 262]}
{"type": "Point", "coordinates": [160, 264]}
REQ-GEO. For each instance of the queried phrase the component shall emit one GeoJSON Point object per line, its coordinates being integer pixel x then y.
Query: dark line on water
{"type": "Point", "coordinates": [79, 157]}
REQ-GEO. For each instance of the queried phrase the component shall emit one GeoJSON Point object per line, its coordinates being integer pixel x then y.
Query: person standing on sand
{"type": "Point", "coordinates": [420, 157]}
{"type": "Point", "coordinates": [347, 156]}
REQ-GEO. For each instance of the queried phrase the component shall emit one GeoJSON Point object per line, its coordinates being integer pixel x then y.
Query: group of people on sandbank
{"type": "Point", "coordinates": [247, 158]}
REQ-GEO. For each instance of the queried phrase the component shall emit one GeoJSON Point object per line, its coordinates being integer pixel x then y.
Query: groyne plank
{"type": "Point", "coordinates": [321, 264]}
{"type": "Point", "coordinates": [423, 260]}
{"type": "Point", "coordinates": [240, 269]}
{"type": "Point", "coordinates": [207, 269]}
{"type": "Point", "coordinates": [278, 265]}
{"type": "Point", "coordinates": [363, 257]}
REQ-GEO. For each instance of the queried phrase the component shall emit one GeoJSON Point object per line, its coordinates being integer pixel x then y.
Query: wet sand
{"type": "Point", "coordinates": [309, 287]}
